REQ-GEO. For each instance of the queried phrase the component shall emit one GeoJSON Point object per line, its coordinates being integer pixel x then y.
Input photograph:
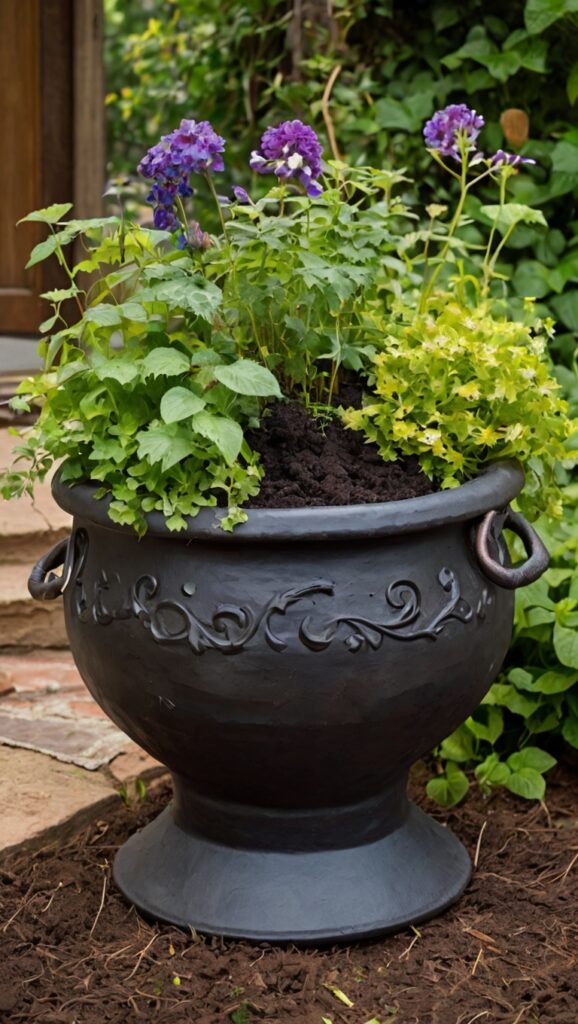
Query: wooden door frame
{"type": "Point", "coordinates": [66, 146]}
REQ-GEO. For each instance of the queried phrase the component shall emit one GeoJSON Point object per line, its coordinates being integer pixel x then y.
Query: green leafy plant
{"type": "Point", "coordinates": [137, 402]}
{"type": "Point", "coordinates": [178, 347]}
{"type": "Point", "coordinates": [183, 337]}
{"type": "Point", "coordinates": [535, 700]}
{"type": "Point", "coordinates": [458, 384]}
{"type": "Point", "coordinates": [459, 388]}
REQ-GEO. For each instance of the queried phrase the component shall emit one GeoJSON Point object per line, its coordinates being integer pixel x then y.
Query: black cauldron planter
{"type": "Point", "coordinates": [289, 674]}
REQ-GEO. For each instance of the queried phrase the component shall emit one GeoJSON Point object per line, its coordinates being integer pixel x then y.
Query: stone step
{"type": "Point", "coordinates": [25, 622]}
{"type": "Point", "coordinates": [28, 529]}
{"type": "Point", "coordinates": [62, 762]}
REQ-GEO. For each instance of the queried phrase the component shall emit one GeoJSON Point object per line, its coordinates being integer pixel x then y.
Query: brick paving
{"type": "Point", "coordinates": [62, 761]}
{"type": "Point", "coordinates": [61, 719]}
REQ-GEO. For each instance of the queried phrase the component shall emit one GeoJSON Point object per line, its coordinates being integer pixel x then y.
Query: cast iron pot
{"type": "Point", "coordinates": [289, 674]}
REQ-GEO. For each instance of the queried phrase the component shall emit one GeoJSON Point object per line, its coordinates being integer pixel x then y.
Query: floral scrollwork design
{"type": "Point", "coordinates": [232, 626]}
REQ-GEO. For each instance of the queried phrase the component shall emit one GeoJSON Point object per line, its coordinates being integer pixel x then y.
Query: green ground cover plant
{"type": "Point", "coordinates": [531, 711]}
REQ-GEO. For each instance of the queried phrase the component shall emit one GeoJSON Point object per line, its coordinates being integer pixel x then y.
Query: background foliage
{"type": "Point", "coordinates": [367, 75]}
{"type": "Point", "coordinates": [245, 63]}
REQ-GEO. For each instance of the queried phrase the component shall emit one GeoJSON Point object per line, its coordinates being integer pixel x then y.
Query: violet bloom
{"type": "Point", "coordinates": [501, 158]}
{"type": "Point", "coordinates": [291, 150]}
{"type": "Point", "coordinates": [164, 218]}
{"type": "Point", "coordinates": [241, 195]}
{"type": "Point", "coordinates": [450, 126]}
{"type": "Point", "coordinates": [196, 148]}
{"type": "Point", "coordinates": [192, 148]}
{"type": "Point", "coordinates": [157, 162]}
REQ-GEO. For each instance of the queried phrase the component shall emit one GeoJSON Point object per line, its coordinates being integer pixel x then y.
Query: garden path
{"type": "Point", "coordinates": [62, 762]}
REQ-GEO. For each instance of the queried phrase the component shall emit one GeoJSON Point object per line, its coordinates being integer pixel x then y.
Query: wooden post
{"type": "Point", "coordinates": [20, 119]}
{"type": "Point", "coordinates": [52, 128]}
{"type": "Point", "coordinates": [89, 124]}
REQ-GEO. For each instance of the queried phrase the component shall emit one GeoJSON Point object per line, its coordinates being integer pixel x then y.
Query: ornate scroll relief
{"type": "Point", "coordinates": [232, 626]}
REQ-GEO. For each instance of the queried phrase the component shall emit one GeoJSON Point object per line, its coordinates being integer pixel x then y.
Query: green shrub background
{"type": "Point", "coordinates": [367, 76]}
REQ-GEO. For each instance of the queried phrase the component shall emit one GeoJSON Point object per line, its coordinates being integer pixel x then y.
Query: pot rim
{"type": "Point", "coordinates": [494, 488]}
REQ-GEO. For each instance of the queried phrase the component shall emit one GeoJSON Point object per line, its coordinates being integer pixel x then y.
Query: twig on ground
{"type": "Point", "coordinates": [544, 807]}
{"type": "Point", "coordinates": [568, 869]}
{"type": "Point", "coordinates": [27, 899]}
{"type": "Point", "coordinates": [141, 954]}
{"type": "Point", "coordinates": [479, 844]}
{"type": "Point", "coordinates": [478, 958]}
{"type": "Point", "coordinates": [49, 904]}
{"type": "Point", "coordinates": [522, 1012]}
{"type": "Point", "coordinates": [103, 894]}
{"type": "Point", "coordinates": [406, 952]}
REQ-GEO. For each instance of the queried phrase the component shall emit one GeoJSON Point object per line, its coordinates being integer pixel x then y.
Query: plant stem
{"type": "Point", "coordinates": [218, 205]}
{"type": "Point", "coordinates": [183, 213]}
{"type": "Point", "coordinates": [64, 264]}
{"type": "Point", "coordinates": [443, 255]}
{"type": "Point", "coordinates": [488, 265]}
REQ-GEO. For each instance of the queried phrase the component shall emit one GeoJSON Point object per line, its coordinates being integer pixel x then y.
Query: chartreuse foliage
{"type": "Point", "coordinates": [459, 388]}
{"type": "Point", "coordinates": [534, 703]}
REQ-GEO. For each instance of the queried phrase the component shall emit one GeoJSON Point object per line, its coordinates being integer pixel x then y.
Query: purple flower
{"type": "Point", "coordinates": [450, 126]}
{"type": "Point", "coordinates": [501, 158]}
{"type": "Point", "coordinates": [291, 150]}
{"type": "Point", "coordinates": [241, 195]}
{"type": "Point", "coordinates": [164, 218]}
{"type": "Point", "coordinates": [157, 162]}
{"type": "Point", "coordinates": [196, 148]}
{"type": "Point", "coordinates": [162, 195]}
{"type": "Point", "coordinates": [192, 148]}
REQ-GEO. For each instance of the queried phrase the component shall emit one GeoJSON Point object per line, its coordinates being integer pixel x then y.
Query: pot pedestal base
{"type": "Point", "coordinates": [408, 876]}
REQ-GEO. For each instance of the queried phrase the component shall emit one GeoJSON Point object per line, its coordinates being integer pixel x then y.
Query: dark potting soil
{"type": "Point", "coordinates": [73, 952]}
{"type": "Point", "coordinates": [308, 463]}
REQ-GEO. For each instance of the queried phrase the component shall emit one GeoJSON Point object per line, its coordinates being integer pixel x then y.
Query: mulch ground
{"type": "Point", "coordinates": [72, 951]}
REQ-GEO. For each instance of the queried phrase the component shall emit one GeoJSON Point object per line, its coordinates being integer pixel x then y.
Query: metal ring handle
{"type": "Point", "coordinates": [504, 576]}
{"type": "Point", "coordinates": [42, 583]}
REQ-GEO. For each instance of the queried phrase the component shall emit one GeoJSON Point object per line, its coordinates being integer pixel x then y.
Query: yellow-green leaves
{"type": "Point", "coordinates": [450, 787]}
{"type": "Point", "coordinates": [459, 389]}
{"type": "Point", "coordinates": [49, 215]}
{"type": "Point", "coordinates": [225, 433]}
{"type": "Point", "coordinates": [507, 215]}
{"type": "Point", "coordinates": [165, 444]}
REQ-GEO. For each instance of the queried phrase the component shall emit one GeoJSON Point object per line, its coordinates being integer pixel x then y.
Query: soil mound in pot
{"type": "Point", "coordinates": [310, 463]}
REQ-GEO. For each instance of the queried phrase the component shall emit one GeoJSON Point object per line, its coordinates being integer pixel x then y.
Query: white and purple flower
{"type": "Point", "coordinates": [501, 159]}
{"type": "Point", "coordinates": [290, 150]}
